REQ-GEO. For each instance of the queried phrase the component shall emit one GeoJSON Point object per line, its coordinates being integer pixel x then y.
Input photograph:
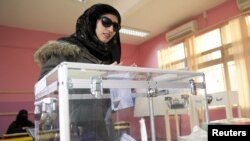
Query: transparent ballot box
{"type": "Point", "coordinates": [92, 102]}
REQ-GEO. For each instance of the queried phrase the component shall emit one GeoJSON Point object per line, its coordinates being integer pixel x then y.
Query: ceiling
{"type": "Point", "coordinates": [59, 16]}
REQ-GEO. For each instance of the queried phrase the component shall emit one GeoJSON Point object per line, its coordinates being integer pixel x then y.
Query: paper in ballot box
{"type": "Point", "coordinates": [121, 98]}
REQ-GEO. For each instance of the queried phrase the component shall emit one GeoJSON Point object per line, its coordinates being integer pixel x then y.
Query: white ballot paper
{"type": "Point", "coordinates": [121, 98]}
{"type": "Point", "coordinates": [126, 137]}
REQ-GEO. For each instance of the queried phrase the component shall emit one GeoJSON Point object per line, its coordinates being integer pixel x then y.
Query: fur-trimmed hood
{"type": "Point", "coordinates": [56, 48]}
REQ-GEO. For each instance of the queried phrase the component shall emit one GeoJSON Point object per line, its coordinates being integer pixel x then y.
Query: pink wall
{"type": "Point", "coordinates": [218, 14]}
{"type": "Point", "coordinates": [148, 51]}
{"type": "Point", "coordinates": [18, 71]}
{"type": "Point", "coordinates": [129, 54]}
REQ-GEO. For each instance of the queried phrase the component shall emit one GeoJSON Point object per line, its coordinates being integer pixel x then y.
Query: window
{"type": "Point", "coordinates": [208, 41]}
{"type": "Point", "coordinates": [232, 76]}
{"type": "Point", "coordinates": [208, 51]}
{"type": "Point", "coordinates": [173, 57]}
{"type": "Point", "coordinates": [214, 84]}
{"type": "Point", "coordinates": [213, 54]}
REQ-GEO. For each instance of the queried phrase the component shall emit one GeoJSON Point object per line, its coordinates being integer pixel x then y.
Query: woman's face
{"type": "Point", "coordinates": [106, 27]}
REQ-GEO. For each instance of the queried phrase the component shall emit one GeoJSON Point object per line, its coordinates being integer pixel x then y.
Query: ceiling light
{"type": "Point", "coordinates": [83, 1]}
{"type": "Point", "coordinates": [133, 32]}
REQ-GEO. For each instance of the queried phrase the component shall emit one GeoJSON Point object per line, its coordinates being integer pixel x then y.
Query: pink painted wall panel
{"type": "Point", "coordinates": [218, 14]}
{"type": "Point", "coordinates": [18, 66]}
{"type": "Point", "coordinates": [148, 51]}
{"type": "Point", "coordinates": [129, 54]}
{"type": "Point", "coordinates": [18, 70]}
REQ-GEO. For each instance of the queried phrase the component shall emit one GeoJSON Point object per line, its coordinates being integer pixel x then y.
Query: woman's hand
{"type": "Point", "coordinates": [121, 63]}
{"type": "Point", "coordinates": [133, 65]}
{"type": "Point", "coordinates": [118, 64]}
{"type": "Point", "coordinates": [25, 127]}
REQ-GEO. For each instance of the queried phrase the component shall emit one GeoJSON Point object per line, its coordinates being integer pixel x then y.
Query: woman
{"type": "Point", "coordinates": [21, 123]}
{"type": "Point", "coordinates": [96, 40]}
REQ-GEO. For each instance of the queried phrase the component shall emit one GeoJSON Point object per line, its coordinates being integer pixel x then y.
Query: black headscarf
{"type": "Point", "coordinates": [85, 36]}
{"type": "Point", "coordinates": [22, 116]}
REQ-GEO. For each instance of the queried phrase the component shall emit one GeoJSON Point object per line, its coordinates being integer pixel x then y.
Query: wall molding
{"type": "Point", "coordinates": [15, 91]}
{"type": "Point", "coordinates": [14, 113]}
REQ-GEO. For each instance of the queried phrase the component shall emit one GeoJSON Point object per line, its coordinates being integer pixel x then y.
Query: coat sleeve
{"type": "Point", "coordinates": [53, 53]}
{"type": "Point", "coordinates": [51, 63]}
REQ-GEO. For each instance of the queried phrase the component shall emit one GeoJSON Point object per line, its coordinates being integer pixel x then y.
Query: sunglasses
{"type": "Point", "coordinates": [106, 22]}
